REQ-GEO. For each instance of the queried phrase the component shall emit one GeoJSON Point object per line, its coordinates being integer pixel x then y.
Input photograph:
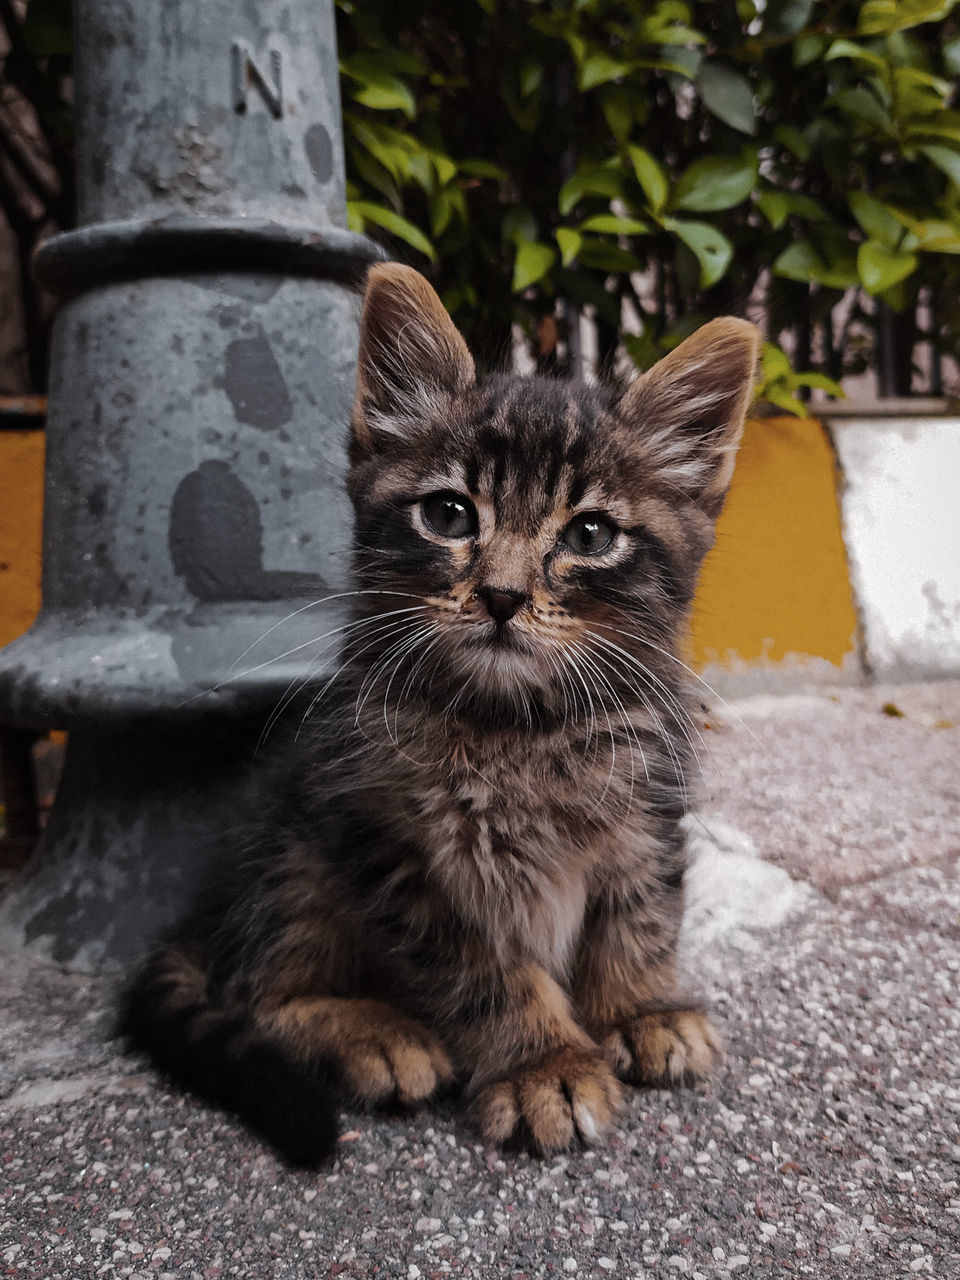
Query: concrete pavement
{"type": "Point", "coordinates": [823, 927]}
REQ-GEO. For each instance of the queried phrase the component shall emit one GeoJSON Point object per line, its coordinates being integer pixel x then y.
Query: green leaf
{"type": "Point", "coordinates": [795, 141]}
{"type": "Point", "coordinates": [600, 68]}
{"type": "Point", "coordinates": [531, 77]}
{"type": "Point", "coordinates": [880, 268]}
{"type": "Point", "coordinates": [784, 400]}
{"type": "Point", "coordinates": [713, 183]}
{"type": "Point", "coordinates": [569, 242]}
{"type": "Point", "coordinates": [858, 52]}
{"type": "Point", "coordinates": [774, 362]}
{"type": "Point", "coordinates": [380, 143]}
{"type": "Point", "coordinates": [373, 63]}
{"type": "Point", "coordinates": [919, 96]}
{"type": "Point", "coordinates": [589, 182]}
{"type": "Point", "coordinates": [604, 256]}
{"type": "Point", "coordinates": [524, 111]}
{"type": "Point", "coordinates": [354, 220]}
{"type": "Point", "coordinates": [532, 262]}
{"type": "Point", "coordinates": [614, 224]}
{"type": "Point", "coordinates": [799, 261]}
{"type": "Point", "coordinates": [786, 17]}
{"type": "Point", "coordinates": [777, 206]}
{"type": "Point", "coordinates": [876, 221]}
{"type": "Point", "coordinates": [863, 105]}
{"type": "Point", "coordinates": [422, 171]}
{"type": "Point", "coordinates": [484, 169]}
{"type": "Point", "coordinates": [834, 267]}
{"type": "Point", "coordinates": [393, 222]}
{"type": "Point", "coordinates": [445, 167]}
{"type": "Point", "coordinates": [807, 49]}
{"type": "Point", "coordinates": [840, 272]}
{"type": "Point", "coordinates": [682, 62]}
{"type": "Point", "coordinates": [651, 177]}
{"type": "Point", "coordinates": [374, 174]}
{"type": "Point", "coordinates": [386, 94]}
{"type": "Point", "coordinates": [616, 102]}
{"type": "Point", "coordinates": [441, 211]}
{"type": "Point", "coordinates": [779, 383]}
{"type": "Point", "coordinates": [933, 235]}
{"type": "Point", "coordinates": [518, 225]}
{"type": "Point", "coordinates": [946, 159]}
{"type": "Point", "coordinates": [677, 33]}
{"type": "Point", "coordinates": [821, 382]}
{"type": "Point", "coordinates": [711, 247]}
{"type": "Point", "coordinates": [727, 95]}
{"type": "Point", "coordinates": [935, 128]}
{"type": "Point", "coordinates": [880, 17]}
{"type": "Point", "coordinates": [897, 297]}
{"type": "Point", "coordinates": [641, 349]}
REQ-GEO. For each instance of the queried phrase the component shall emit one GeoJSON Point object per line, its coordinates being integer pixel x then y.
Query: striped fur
{"type": "Point", "coordinates": [470, 870]}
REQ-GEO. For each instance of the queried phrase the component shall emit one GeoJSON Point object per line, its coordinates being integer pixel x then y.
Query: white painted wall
{"type": "Point", "coordinates": [900, 504]}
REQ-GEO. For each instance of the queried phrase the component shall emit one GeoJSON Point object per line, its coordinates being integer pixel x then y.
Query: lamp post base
{"type": "Point", "coordinates": [140, 816]}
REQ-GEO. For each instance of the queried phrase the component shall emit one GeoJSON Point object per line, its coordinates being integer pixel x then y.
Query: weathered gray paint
{"type": "Point", "coordinates": [158, 131]}
{"type": "Point", "coordinates": [201, 378]}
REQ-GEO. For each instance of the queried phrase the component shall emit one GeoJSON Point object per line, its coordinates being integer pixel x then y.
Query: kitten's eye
{"type": "Point", "coordinates": [450, 515]}
{"type": "Point", "coordinates": [588, 534]}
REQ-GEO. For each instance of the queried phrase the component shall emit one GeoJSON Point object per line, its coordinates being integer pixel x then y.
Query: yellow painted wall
{"type": "Point", "coordinates": [21, 510]}
{"type": "Point", "coordinates": [776, 586]}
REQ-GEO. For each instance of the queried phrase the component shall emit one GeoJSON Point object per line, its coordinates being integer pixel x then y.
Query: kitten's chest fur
{"type": "Point", "coordinates": [517, 831]}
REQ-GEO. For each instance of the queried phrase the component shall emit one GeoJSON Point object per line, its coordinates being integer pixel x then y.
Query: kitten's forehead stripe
{"type": "Point", "coordinates": [527, 443]}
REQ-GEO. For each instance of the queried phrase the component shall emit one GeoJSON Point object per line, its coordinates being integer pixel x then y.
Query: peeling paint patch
{"type": "Point", "coordinates": [903, 540]}
{"type": "Point", "coordinates": [216, 540]}
{"type": "Point", "coordinates": [254, 383]}
{"type": "Point", "coordinates": [319, 148]}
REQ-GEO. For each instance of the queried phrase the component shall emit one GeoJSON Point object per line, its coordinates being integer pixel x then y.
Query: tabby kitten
{"type": "Point", "coordinates": [472, 870]}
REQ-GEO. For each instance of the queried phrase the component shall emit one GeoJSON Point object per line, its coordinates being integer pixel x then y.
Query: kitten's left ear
{"type": "Point", "coordinates": [411, 357]}
{"type": "Point", "coordinates": [690, 407]}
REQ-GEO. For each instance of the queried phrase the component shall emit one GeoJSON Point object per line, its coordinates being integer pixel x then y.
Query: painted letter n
{"type": "Point", "coordinates": [247, 75]}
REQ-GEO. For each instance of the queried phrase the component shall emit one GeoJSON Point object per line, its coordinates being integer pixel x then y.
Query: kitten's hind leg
{"type": "Point", "coordinates": [214, 1052]}
{"type": "Point", "coordinates": [381, 1055]}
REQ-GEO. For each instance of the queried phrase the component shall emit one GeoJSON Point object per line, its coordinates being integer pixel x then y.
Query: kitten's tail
{"type": "Point", "coordinates": [220, 1057]}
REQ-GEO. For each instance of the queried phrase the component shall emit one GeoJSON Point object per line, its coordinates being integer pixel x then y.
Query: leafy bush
{"type": "Point", "coordinates": [656, 159]}
{"type": "Point", "coordinates": [674, 159]}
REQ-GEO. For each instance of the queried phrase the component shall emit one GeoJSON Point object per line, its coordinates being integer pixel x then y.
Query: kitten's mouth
{"type": "Point", "coordinates": [499, 636]}
{"type": "Point", "coordinates": [500, 666]}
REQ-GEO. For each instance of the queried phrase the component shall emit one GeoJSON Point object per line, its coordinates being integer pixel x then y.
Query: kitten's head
{"type": "Point", "coordinates": [538, 535]}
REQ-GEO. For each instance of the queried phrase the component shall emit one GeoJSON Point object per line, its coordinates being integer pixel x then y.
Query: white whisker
{"type": "Point", "coordinates": [629, 663]}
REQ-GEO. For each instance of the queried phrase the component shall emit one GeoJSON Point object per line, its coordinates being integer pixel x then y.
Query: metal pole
{"type": "Point", "coordinates": [201, 378]}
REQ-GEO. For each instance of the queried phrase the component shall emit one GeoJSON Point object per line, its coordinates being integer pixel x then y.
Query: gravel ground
{"type": "Point", "coordinates": [828, 1144]}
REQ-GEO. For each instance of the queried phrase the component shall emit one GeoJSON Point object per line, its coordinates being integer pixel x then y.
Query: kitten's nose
{"type": "Point", "coordinates": [501, 602]}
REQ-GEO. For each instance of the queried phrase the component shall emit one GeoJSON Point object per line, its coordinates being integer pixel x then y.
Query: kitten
{"type": "Point", "coordinates": [472, 870]}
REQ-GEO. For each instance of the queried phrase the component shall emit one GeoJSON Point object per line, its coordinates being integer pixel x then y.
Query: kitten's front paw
{"type": "Point", "coordinates": [570, 1095]}
{"type": "Point", "coordinates": [385, 1056]}
{"type": "Point", "coordinates": [667, 1048]}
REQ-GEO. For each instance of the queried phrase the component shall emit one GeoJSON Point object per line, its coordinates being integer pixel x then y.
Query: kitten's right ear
{"type": "Point", "coordinates": [412, 357]}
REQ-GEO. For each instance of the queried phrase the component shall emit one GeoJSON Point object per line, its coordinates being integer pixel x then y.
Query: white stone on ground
{"type": "Point", "coordinates": [730, 891]}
